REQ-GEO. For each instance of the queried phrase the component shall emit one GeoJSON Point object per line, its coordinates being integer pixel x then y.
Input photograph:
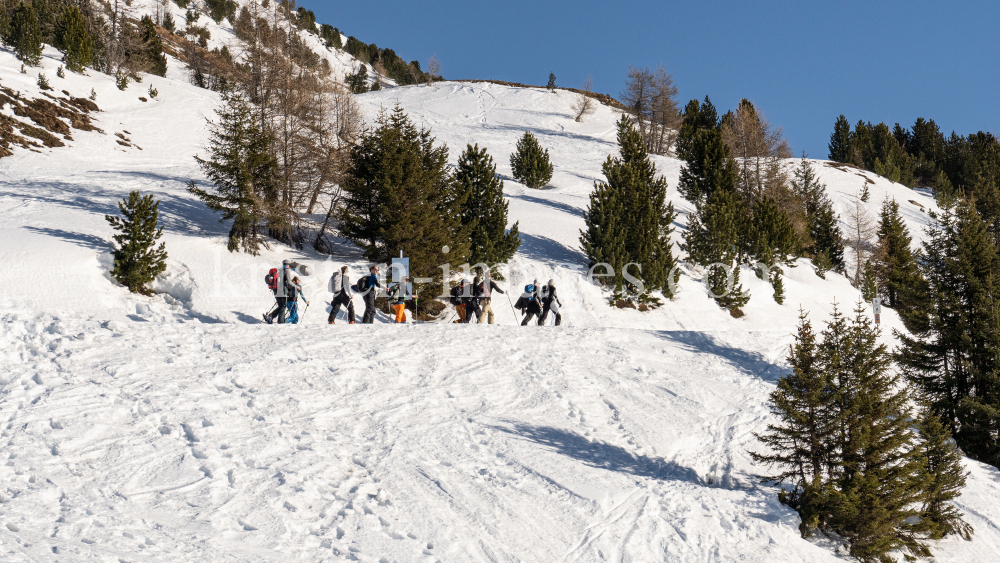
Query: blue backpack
{"type": "Point", "coordinates": [530, 290]}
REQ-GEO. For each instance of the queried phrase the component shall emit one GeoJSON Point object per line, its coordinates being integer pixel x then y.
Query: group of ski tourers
{"type": "Point", "coordinates": [473, 302]}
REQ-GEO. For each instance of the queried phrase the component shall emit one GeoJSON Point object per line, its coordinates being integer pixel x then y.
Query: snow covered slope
{"type": "Point", "coordinates": [176, 428]}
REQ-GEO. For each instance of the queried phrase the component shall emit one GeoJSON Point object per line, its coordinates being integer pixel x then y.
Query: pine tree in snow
{"type": "Point", "coordinates": [530, 164]}
{"type": "Point", "coordinates": [137, 258]}
{"type": "Point", "coordinates": [485, 211]}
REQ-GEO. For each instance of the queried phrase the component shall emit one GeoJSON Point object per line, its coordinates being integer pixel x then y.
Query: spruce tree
{"type": "Point", "coordinates": [801, 443]}
{"type": "Point", "coordinates": [942, 478]}
{"type": "Point", "coordinates": [952, 353]}
{"type": "Point", "coordinates": [822, 264]}
{"type": "Point", "coordinates": [73, 37]}
{"type": "Point", "coordinates": [399, 196]}
{"type": "Point", "coordinates": [153, 48]}
{"type": "Point", "coordinates": [778, 285]}
{"type": "Point", "coordinates": [877, 472]}
{"type": "Point", "coordinates": [485, 211]}
{"type": "Point", "coordinates": [708, 166]}
{"type": "Point", "coordinates": [641, 234]}
{"type": "Point", "coordinates": [713, 237]}
{"type": "Point", "coordinates": [243, 171]}
{"type": "Point", "coordinates": [895, 266]}
{"type": "Point", "coordinates": [840, 140]}
{"type": "Point", "coordinates": [869, 282]}
{"type": "Point", "coordinates": [604, 240]}
{"type": "Point", "coordinates": [24, 34]}
{"type": "Point", "coordinates": [772, 242]}
{"type": "Point", "coordinates": [137, 258]}
{"type": "Point", "coordinates": [530, 164]}
{"type": "Point", "coordinates": [696, 117]}
{"type": "Point", "coordinates": [551, 86]}
{"type": "Point", "coordinates": [772, 239]}
{"type": "Point", "coordinates": [824, 229]}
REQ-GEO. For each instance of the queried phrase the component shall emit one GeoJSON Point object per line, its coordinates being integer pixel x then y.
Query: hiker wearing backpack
{"type": "Point", "coordinates": [550, 302]}
{"type": "Point", "coordinates": [484, 291]}
{"type": "Point", "coordinates": [294, 294]}
{"type": "Point", "coordinates": [531, 302]}
{"type": "Point", "coordinates": [462, 299]}
{"type": "Point", "coordinates": [340, 286]}
{"type": "Point", "coordinates": [397, 299]}
{"type": "Point", "coordinates": [279, 281]}
{"type": "Point", "coordinates": [366, 286]}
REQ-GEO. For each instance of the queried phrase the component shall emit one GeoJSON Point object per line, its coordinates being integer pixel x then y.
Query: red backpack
{"type": "Point", "coordinates": [271, 279]}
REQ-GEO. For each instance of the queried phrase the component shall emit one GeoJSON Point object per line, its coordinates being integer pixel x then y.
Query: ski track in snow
{"type": "Point", "coordinates": [177, 428]}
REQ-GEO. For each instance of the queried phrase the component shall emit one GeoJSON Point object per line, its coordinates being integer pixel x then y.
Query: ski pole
{"type": "Point", "coordinates": [511, 307]}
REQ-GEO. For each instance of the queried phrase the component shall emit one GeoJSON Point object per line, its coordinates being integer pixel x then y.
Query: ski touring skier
{"type": "Point", "coordinates": [294, 294]}
{"type": "Point", "coordinates": [279, 281]}
{"type": "Point", "coordinates": [366, 286]}
{"type": "Point", "coordinates": [550, 302]}
{"type": "Point", "coordinates": [484, 292]}
{"type": "Point", "coordinates": [459, 295]}
{"type": "Point", "coordinates": [340, 286]}
{"type": "Point", "coordinates": [530, 302]}
{"type": "Point", "coordinates": [397, 299]}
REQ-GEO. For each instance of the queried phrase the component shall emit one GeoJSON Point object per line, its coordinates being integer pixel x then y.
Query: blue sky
{"type": "Point", "coordinates": [804, 63]}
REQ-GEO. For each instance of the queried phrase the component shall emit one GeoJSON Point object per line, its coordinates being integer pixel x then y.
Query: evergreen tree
{"type": "Point", "coordinates": [604, 241]}
{"type": "Point", "coordinates": [801, 443]}
{"type": "Point", "coordinates": [708, 167]}
{"type": "Point", "coordinates": [153, 48]}
{"type": "Point", "coordinates": [358, 80]}
{"type": "Point", "coordinates": [772, 238]}
{"type": "Point", "coordinates": [530, 164]}
{"type": "Point", "coordinates": [485, 211]}
{"type": "Point", "coordinates": [953, 351]}
{"type": "Point", "coordinates": [243, 170]}
{"type": "Point", "coordinates": [552, 82]}
{"type": "Point", "coordinates": [641, 233]}
{"type": "Point", "coordinates": [73, 37]}
{"type": "Point", "coordinates": [869, 283]}
{"type": "Point", "coordinates": [400, 197]}
{"type": "Point", "coordinates": [895, 266]}
{"type": "Point", "coordinates": [840, 140]}
{"type": "Point", "coordinates": [824, 229]}
{"type": "Point", "coordinates": [697, 117]}
{"type": "Point", "coordinates": [24, 34]}
{"type": "Point", "coordinates": [846, 445]}
{"type": "Point", "coordinates": [942, 478]}
{"type": "Point", "coordinates": [876, 475]}
{"type": "Point", "coordinates": [713, 237]}
{"type": "Point", "coordinates": [822, 264]}
{"type": "Point", "coordinates": [778, 285]}
{"type": "Point", "coordinates": [137, 258]}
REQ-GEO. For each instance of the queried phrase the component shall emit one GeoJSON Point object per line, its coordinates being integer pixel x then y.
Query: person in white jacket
{"type": "Point", "coordinates": [340, 286]}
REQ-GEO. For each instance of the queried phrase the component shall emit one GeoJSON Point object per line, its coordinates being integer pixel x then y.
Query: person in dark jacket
{"type": "Point", "coordinates": [484, 291]}
{"type": "Point", "coordinates": [458, 299]}
{"type": "Point", "coordinates": [533, 302]}
{"type": "Point", "coordinates": [550, 302]}
{"type": "Point", "coordinates": [471, 297]}
{"type": "Point", "coordinates": [283, 285]}
{"type": "Point", "coordinates": [340, 285]}
{"type": "Point", "coordinates": [369, 295]}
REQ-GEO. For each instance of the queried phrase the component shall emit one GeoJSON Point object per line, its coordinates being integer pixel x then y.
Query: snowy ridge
{"type": "Point", "coordinates": [177, 428]}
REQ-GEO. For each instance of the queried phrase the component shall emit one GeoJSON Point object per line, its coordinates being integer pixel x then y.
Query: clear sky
{"type": "Point", "coordinates": [804, 62]}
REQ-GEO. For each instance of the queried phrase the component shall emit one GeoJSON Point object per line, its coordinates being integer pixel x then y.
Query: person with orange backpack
{"type": "Point", "coordinates": [397, 299]}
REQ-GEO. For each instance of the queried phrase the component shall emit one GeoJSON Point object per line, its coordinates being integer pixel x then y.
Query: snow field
{"type": "Point", "coordinates": [176, 428]}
